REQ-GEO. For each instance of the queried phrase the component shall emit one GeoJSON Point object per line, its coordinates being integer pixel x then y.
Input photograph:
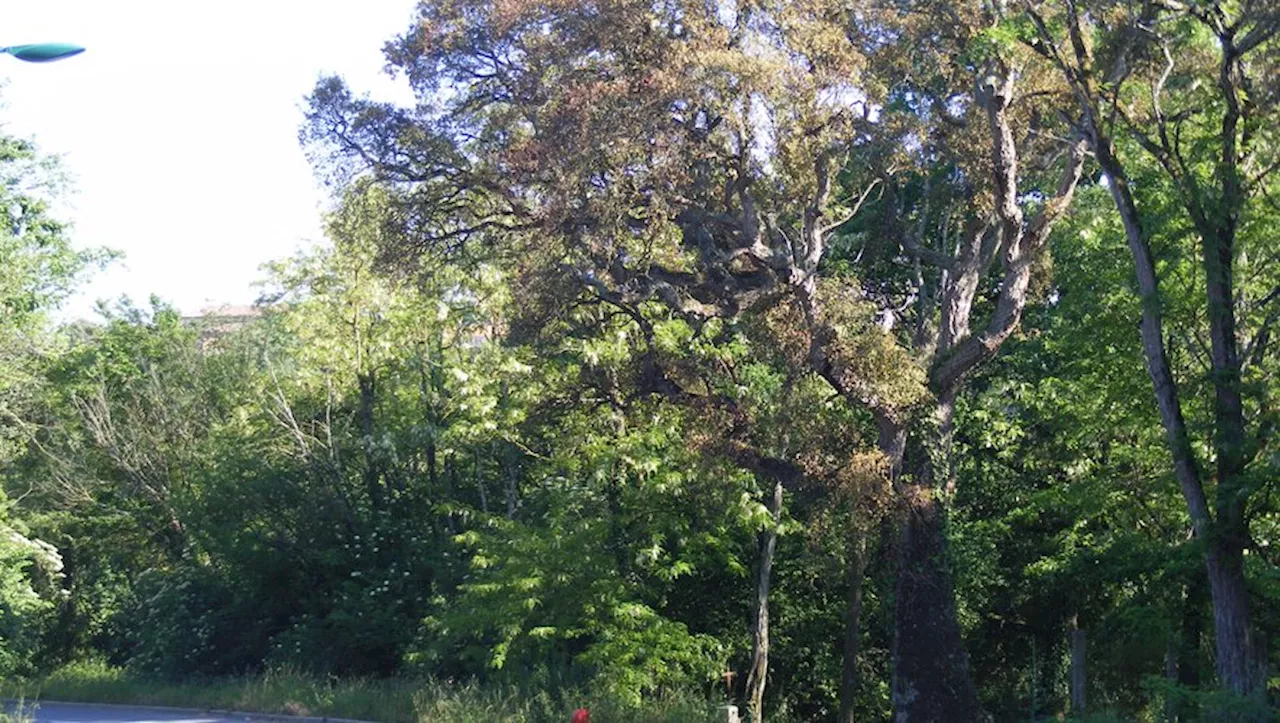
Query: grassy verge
{"type": "Point", "coordinates": [390, 701]}
{"type": "Point", "coordinates": [15, 712]}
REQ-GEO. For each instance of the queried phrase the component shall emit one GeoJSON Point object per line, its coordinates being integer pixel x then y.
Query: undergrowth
{"type": "Point", "coordinates": [397, 700]}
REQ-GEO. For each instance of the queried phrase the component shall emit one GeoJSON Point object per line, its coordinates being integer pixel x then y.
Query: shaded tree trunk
{"type": "Point", "coordinates": [1078, 677]}
{"type": "Point", "coordinates": [931, 680]}
{"type": "Point", "coordinates": [372, 471]}
{"type": "Point", "coordinates": [511, 472]}
{"type": "Point", "coordinates": [1236, 659]}
{"type": "Point", "coordinates": [432, 391]}
{"type": "Point", "coordinates": [1215, 211]}
{"type": "Point", "coordinates": [1239, 670]}
{"type": "Point", "coordinates": [1188, 653]}
{"type": "Point", "coordinates": [849, 679]}
{"type": "Point", "coordinates": [480, 488]}
{"type": "Point", "coordinates": [768, 543]}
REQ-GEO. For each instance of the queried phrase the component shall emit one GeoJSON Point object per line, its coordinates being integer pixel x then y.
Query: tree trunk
{"type": "Point", "coordinates": [1238, 663]}
{"type": "Point", "coordinates": [484, 497]}
{"type": "Point", "coordinates": [931, 668]}
{"type": "Point", "coordinates": [1188, 660]}
{"type": "Point", "coordinates": [758, 676]}
{"type": "Point", "coordinates": [372, 468]}
{"type": "Point", "coordinates": [1077, 669]}
{"type": "Point", "coordinates": [849, 682]}
{"type": "Point", "coordinates": [1236, 660]}
{"type": "Point", "coordinates": [512, 489]}
{"type": "Point", "coordinates": [431, 390]}
{"type": "Point", "coordinates": [1238, 669]}
{"type": "Point", "coordinates": [931, 680]}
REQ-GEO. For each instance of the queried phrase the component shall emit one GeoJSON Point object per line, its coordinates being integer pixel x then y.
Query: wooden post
{"type": "Point", "coordinates": [1077, 669]}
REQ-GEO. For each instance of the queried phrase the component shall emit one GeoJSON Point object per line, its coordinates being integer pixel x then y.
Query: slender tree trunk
{"type": "Point", "coordinates": [484, 497]}
{"type": "Point", "coordinates": [931, 680]}
{"type": "Point", "coordinates": [849, 679]}
{"type": "Point", "coordinates": [511, 470]}
{"type": "Point", "coordinates": [759, 673]}
{"type": "Point", "coordinates": [433, 471]}
{"type": "Point", "coordinates": [431, 389]}
{"type": "Point", "coordinates": [1078, 677]}
{"type": "Point", "coordinates": [1236, 659]}
{"type": "Point", "coordinates": [1193, 604]}
{"type": "Point", "coordinates": [372, 471]}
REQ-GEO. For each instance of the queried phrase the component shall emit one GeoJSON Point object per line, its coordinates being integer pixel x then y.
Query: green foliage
{"type": "Point", "coordinates": [619, 524]}
{"type": "Point", "coordinates": [38, 268]}
{"type": "Point", "coordinates": [397, 700]}
{"type": "Point", "coordinates": [30, 577]}
{"type": "Point", "coordinates": [446, 446]}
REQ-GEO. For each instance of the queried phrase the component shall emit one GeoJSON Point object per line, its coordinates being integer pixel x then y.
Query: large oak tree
{"type": "Point", "coordinates": [724, 158]}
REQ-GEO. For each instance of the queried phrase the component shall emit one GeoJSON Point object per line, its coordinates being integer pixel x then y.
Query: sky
{"type": "Point", "coordinates": [178, 127]}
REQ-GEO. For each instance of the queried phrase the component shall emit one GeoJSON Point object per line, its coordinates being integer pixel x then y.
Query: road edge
{"type": "Point", "coordinates": [249, 715]}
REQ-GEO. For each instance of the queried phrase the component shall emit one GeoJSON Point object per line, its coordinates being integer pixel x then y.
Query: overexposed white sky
{"type": "Point", "coordinates": [179, 129]}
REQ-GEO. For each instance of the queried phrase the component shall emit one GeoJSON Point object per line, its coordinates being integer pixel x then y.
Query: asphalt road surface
{"type": "Point", "coordinates": [67, 713]}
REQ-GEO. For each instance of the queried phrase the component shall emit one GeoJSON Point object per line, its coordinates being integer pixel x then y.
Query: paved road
{"type": "Point", "coordinates": [71, 713]}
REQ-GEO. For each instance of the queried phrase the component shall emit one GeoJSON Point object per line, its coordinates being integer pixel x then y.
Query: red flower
{"type": "Point", "coordinates": [581, 715]}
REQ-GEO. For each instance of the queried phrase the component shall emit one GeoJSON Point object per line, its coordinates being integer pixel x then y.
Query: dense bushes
{"type": "Point", "coordinates": [30, 587]}
{"type": "Point", "coordinates": [421, 500]}
{"type": "Point", "coordinates": [641, 369]}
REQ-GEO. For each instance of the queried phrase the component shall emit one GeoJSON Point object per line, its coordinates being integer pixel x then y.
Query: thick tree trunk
{"type": "Point", "coordinates": [1239, 670]}
{"type": "Point", "coordinates": [857, 570]}
{"type": "Point", "coordinates": [1238, 663]}
{"type": "Point", "coordinates": [931, 680]}
{"type": "Point", "coordinates": [759, 673]}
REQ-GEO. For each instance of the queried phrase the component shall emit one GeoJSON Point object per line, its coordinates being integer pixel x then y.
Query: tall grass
{"type": "Point", "coordinates": [16, 712]}
{"type": "Point", "coordinates": [389, 701]}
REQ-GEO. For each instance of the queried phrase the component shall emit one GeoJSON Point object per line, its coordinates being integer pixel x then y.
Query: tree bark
{"type": "Point", "coordinates": [1216, 218]}
{"type": "Point", "coordinates": [849, 680]}
{"type": "Point", "coordinates": [480, 488]}
{"type": "Point", "coordinates": [1078, 677]}
{"type": "Point", "coordinates": [1239, 671]}
{"type": "Point", "coordinates": [511, 471]}
{"type": "Point", "coordinates": [1188, 660]}
{"type": "Point", "coordinates": [759, 673]}
{"type": "Point", "coordinates": [931, 680]}
{"type": "Point", "coordinates": [1236, 659]}
{"type": "Point", "coordinates": [1238, 662]}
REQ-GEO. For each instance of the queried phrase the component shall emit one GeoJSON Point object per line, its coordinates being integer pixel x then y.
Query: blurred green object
{"type": "Point", "coordinates": [43, 52]}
